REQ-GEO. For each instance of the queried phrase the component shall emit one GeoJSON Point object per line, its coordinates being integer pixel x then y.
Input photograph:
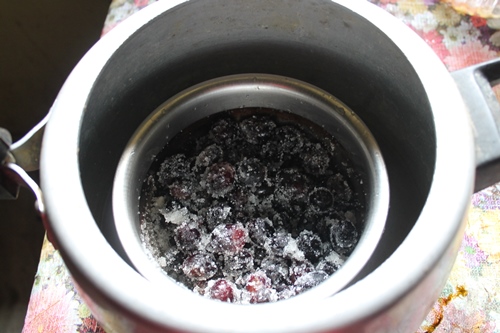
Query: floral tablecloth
{"type": "Point", "coordinates": [470, 301]}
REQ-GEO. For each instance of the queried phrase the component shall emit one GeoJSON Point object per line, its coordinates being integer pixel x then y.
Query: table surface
{"type": "Point", "coordinates": [470, 300]}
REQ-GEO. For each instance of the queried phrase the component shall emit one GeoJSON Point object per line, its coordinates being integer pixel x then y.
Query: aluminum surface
{"type": "Point", "coordinates": [400, 89]}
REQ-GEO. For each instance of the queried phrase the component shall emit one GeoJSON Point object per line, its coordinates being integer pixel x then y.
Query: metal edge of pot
{"type": "Point", "coordinates": [455, 149]}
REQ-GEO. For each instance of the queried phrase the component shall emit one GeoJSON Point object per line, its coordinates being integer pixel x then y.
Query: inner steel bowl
{"type": "Point", "coordinates": [251, 91]}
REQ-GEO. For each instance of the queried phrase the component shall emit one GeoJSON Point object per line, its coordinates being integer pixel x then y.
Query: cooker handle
{"type": "Point", "coordinates": [475, 84]}
{"type": "Point", "coordinates": [18, 158]}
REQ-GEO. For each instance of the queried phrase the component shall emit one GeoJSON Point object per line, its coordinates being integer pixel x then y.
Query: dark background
{"type": "Point", "coordinates": [40, 42]}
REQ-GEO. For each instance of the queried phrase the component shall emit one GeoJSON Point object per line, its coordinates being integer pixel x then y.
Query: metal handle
{"type": "Point", "coordinates": [475, 84]}
{"type": "Point", "coordinates": [19, 157]}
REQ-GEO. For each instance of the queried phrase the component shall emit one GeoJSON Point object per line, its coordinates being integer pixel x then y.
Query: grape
{"type": "Point", "coordinates": [257, 129]}
{"type": "Point", "coordinates": [300, 268]}
{"type": "Point", "coordinates": [340, 187]}
{"type": "Point", "coordinates": [222, 290]}
{"type": "Point", "coordinates": [251, 172]}
{"type": "Point", "coordinates": [327, 266]}
{"type": "Point", "coordinates": [209, 156]}
{"type": "Point", "coordinates": [311, 244]}
{"type": "Point", "coordinates": [260, 254]}
{"type": "Point", "coordinates": [344, 237]}
{"type": "Point", "coordinates": [240, 199]}
{"type": "Point", "coordinates": [315, 221]}
{"type": "Point", "coordinates": [181, 190]}
{"type": "Point", "coordinates": [174, 167]}
{"type": "Point", "coordinates": [219, 179]}
{"type": "Point", "coordinates": [289, 140]}
{"type": "Point", "coordinates": [237, 264]}
{"type": "Point", "coordinates": [228, 238]}
{"type": "Point", "coordinates": [315, 159]}
{"type": "Point", "coordinates": [187, 236]}
{"type": "Point", "coordinates": [260, 230]}
{"type": "Point", "coordinates": [258, 288]}
{"type": "Point", "coordinates": [291, 193]}
{"type": "Point", "coordinates": [277, 270]}
{"type": "Point", "coordinates": [321, 198]}
{"type": "Point", "coordinates": [200, 266]}
{"type": "Point", "coordinates": [278, 242]}
{"type": "Point", "coordinates": [224, 132]}
{"type": "Point", "coordinates": [217, 214]}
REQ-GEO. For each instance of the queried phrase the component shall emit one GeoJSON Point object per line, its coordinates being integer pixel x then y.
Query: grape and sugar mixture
{"type": "Point", "coordinates": [251, 207]}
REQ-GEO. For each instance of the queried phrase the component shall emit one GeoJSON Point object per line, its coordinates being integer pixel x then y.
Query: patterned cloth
{"type": "Point", "coordinates": [470, 301]}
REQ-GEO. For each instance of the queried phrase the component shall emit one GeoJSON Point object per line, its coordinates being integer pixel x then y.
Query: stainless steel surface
{"type": "Point", "coordinates": [20, 177]}
{"type": "Point", "coordinates": [26, 151]}
{"type": "Point", "coordinates": [400, 90]}
{"type": "Point", "coordinates": [475, 84]}
{"type": "Point", "coordinates": [247, 91]}
{"type": "Point", "coordinates": [5, 142]}
{"type": "Point", "coordinates": [9, 188]}
{"type": "Point", "coordinates": [19, 157]}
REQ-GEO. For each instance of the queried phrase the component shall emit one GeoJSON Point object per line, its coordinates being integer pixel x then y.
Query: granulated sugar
{"type": "Point", "coordinates": [253, 210]}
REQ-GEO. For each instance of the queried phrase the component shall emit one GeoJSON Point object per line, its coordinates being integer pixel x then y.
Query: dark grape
{"type": "Point", "coordinates": [174, 167]}
{"type": "Point", "coordinates": [224, 132]}
{"type": "Point", "coordinates": [278, 242]}
{"type": "Point", "coordinates": [237, 264]}
{"type": "Point", "coordinates": [228, 238]}
{"type": "Point", "coordinates": [315, 159]}
{"type": "Point", "coordinates": [251, 172]}
{"type": "Point", "coordinates": [289, 140]}
{"type": "Point", "coordinates": [327, 266]}
{"type": "Point", "coordinates": [291, 191]}
{"type": "Point", "coordinates": [217, 214]}
{"type": "Point", "coordinates": [321, 198]}
{"type": "Point", "coordinates": [199, 266]}
{"type": "Point", "coordinates": [311, 244]}
{"type": "Point", "coordinates": [277, 270]}
{"type": "Point", "coordinates": [187, 236]}
{"type": "Point", "coordinates": [344, 237]}
{"type": "Point", "coordinates": [219, 179]}
{"type": "Point", "coordinates": [209, 156]}
{"type": "Point", "coordinates": [260, 230]}
{"type": "Point", "coordinates": [340, 187]}
{"type": "Point", "coordinates": [181, 190]}
{"type": "Point", "coordinates": [256, 129]}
